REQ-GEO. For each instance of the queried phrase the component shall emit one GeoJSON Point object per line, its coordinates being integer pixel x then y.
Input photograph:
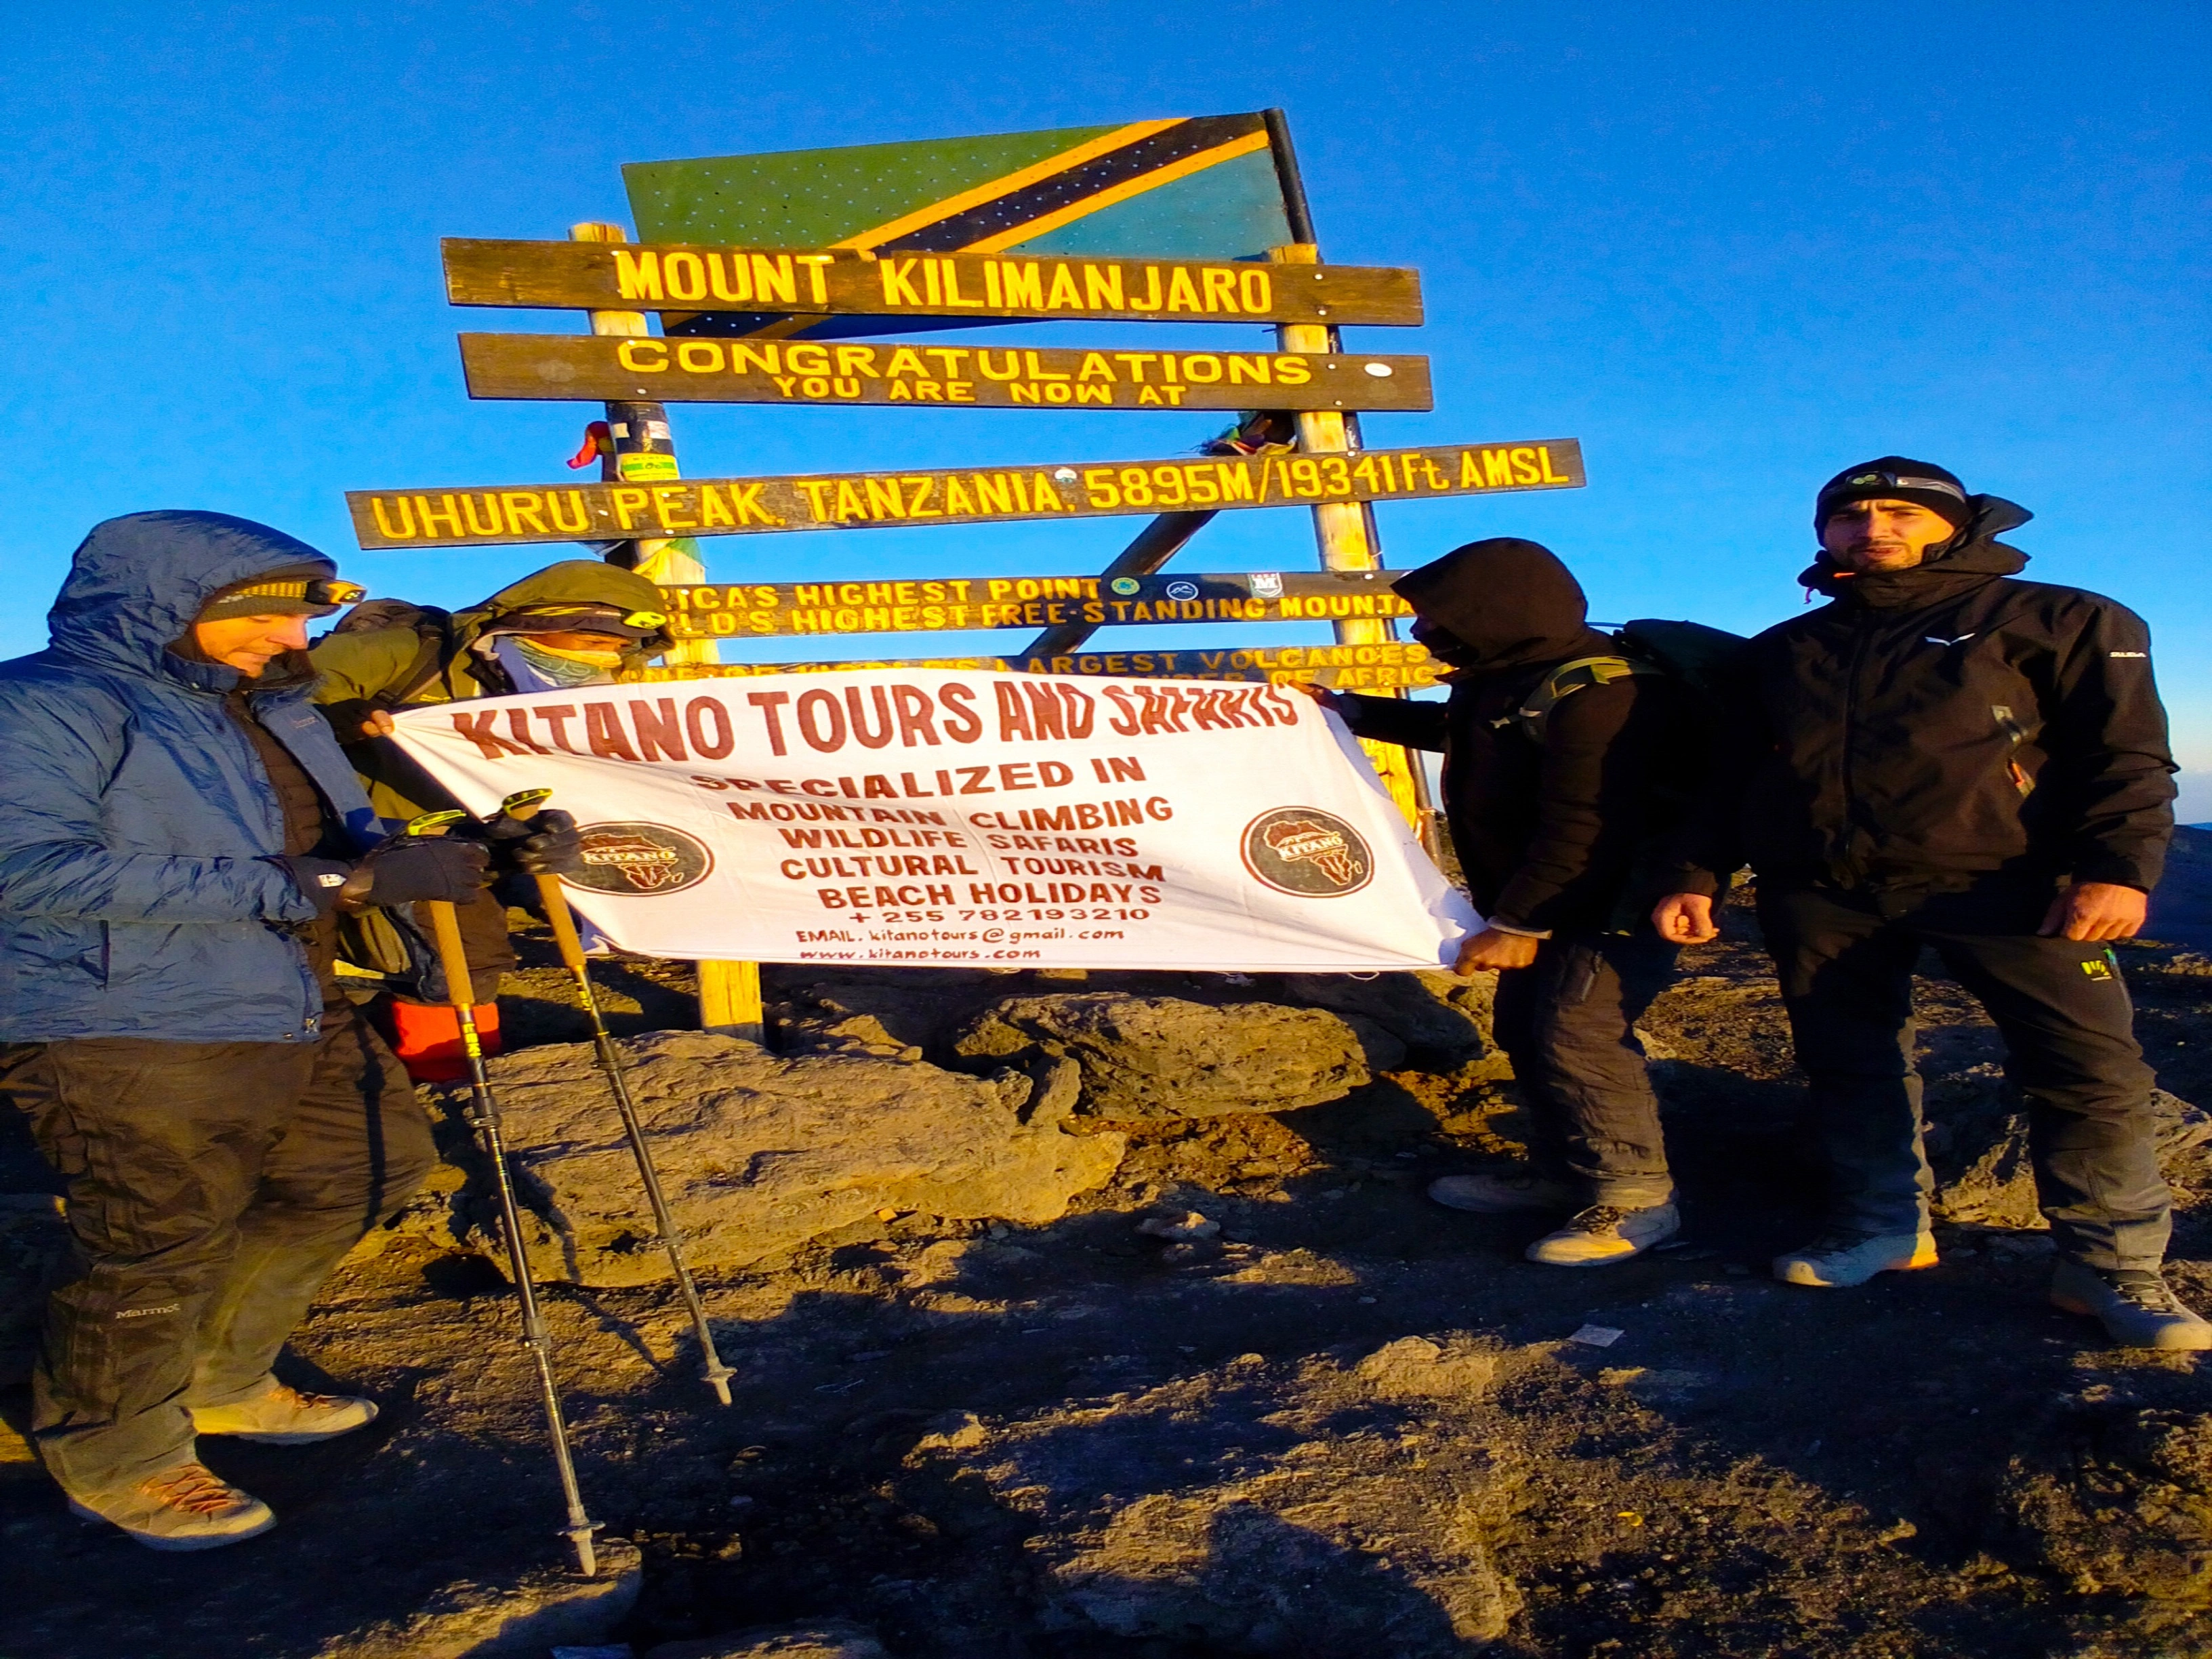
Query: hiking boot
{"type": "Point", "coordinates": [184, 1508]}
{"type": "Point", "coordinates": [1840, 1259]}
{"type": "Point", "coordinates": [1504, 1191]}
{"type": "Point", "coordinates": [286, 1417]}
{"type": "Point", "coordinates": [2138, 1308]}
{"type": "Point", "coordinates": [1606, 1233]}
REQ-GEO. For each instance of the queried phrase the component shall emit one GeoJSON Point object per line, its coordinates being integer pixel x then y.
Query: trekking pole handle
{"type": "Point", "coordinates": [520, 806]}
{"type": "Point", "coordinates": [444, 926]}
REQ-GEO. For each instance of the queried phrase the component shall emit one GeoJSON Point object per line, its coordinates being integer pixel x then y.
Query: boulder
{"type": "Point", "coordinates": [759, 1153]}
{"type": "Point", "coordinates": [471, 1620]}
{"type": "Point", "coordinates": [1978, 1133]}
{"type": "Point", "coordinates": [1443, 1020]}
{"type": "Point", "coordinates": [829, 1638]}
{"type": "Point", "coordinates": [1145, 1058]}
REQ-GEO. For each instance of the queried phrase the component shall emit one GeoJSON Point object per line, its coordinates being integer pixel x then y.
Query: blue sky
{"type": "Point", "coordinates": [1730, 247]}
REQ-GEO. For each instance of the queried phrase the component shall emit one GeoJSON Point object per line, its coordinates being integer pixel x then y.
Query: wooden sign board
{"type": "Point", "coordinates": [848, 501]}
{"type": "Point", "coordinates": [974, 288]}
{"type": "Point", "coordinates": [607, 367]}
{"type": "Point", "coordinates": [771, 610]}
{"type": "Point", "coordinates": [1390, 666]}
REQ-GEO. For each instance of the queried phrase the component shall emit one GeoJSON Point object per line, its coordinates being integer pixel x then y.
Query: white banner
{"type": "Point", "coordinates": [946, 818]}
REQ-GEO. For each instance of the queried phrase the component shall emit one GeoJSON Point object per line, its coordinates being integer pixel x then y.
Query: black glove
{"type": "Point", "coordinates": [323, 880]}
{"type": "Point", "coordinates": [404, 869]}
{"type": "Point", "coordinates": [547, 843]}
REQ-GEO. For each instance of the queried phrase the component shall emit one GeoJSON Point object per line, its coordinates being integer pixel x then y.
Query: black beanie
{"type": "Point", "coordinates": [1894, 478]}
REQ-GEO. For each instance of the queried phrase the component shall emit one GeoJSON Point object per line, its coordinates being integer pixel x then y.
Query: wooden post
{"type": "Point", "coordinates": [1344, 531]}
{"type": "Point", "coordinates": [729, 991]}
{"type": "Point", "coordinates": [645, 452]}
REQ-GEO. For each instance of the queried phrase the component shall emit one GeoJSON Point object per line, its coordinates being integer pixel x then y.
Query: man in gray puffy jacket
{"type": "Point", "coordinates": [178, 833]}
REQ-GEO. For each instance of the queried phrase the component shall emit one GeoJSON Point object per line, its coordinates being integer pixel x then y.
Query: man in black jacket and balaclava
{"type": "Point", "coordinates": [1551, 815]}
{"type": "Point", "coordinates": [1943, 756]}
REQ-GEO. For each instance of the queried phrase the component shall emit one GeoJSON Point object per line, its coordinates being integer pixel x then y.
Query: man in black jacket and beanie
{"type": "Point", "coordinates": [1552, 810]}
{"type": "Point", "coordinates": [1943, 756]}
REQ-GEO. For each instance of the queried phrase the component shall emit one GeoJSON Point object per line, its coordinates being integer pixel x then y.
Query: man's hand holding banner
{"type": "Point", "coordinates": [936, 819]}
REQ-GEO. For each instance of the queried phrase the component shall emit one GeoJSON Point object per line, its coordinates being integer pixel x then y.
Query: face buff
{"type": "Point", "coordinates": [533, 667]}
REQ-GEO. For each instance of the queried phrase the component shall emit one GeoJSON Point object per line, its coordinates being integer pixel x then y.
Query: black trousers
{"type": "Point", "coordinates": [212, 1187]}
{"type": "Point", "coordinates": [1568, 1023]}
{"type": "Point", "coordinates": [1846, 959]}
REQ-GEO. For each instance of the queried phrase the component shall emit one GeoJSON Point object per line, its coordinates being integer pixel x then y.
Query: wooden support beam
{"type": "Point", "coordinates": [645, 449]}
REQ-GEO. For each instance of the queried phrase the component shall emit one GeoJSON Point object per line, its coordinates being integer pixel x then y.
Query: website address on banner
{"type": "Point", "coordinates": [937, 944]}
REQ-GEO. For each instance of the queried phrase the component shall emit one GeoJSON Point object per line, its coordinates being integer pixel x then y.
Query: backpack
{"type": "Point", "coordinates": [1690, 653]}
{"type": "Point", "coordinates": [432, 627]}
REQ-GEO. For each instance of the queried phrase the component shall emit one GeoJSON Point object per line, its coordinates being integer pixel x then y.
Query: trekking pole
{"type": "Point", "coordinates": [520, 806]}
{"type": "Point", "coordinates": [484, 1117]}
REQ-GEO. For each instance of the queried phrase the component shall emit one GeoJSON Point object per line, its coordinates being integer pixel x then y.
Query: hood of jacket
{"type": "Point", "coordinates": [1967, 559]}
{"type": "Point", "coordinates": [1509, 602]}
{"type": "Point", "coordinates": [137, 582]}
{"type": "Point", "coordinates": [572, 582]}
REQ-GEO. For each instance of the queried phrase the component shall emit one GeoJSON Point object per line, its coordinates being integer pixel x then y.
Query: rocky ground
{"type": "Point", "coordinates": [1079, 1318]}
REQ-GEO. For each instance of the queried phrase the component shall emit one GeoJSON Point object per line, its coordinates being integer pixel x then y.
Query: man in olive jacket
{"type": "Point", "coordinates": [575, 623]}
{"type": "Point", "coordinates": [1944, 756]}
{"type": "Point", "coordinates": [1551, 816]}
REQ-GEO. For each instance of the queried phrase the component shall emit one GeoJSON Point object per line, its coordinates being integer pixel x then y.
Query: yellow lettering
{"type": "Point", "coordinates": [522, 505]}
{"type": "Point", "coordinates": [1220, 288]}
{"type": "Point", "coordinates": [666, 510]}
{"type": "Point", "coordinates": [952, 289]}
{"type": "Point", "coordinates": [856, 360]}
{"type": "Point", "coordinates": [628, 504]}
{"type": "Point", "coordinates": [642, 356]}
{"type": "Point", "coordinates": [406, 530]}
{"type": "Point", "coordinates": [1038, 371]}
{"type": "Point", "coordinates": [712, 508]}
{"type": "Point", "coordinates": [1094, 367]}
{"type": "Point", "coordinates": [1181, 296]}
{"type": "Point", "coordinates": [898, 278]}
{"type": "Point", "coordinates": [736, 286]}
{"type": "Point", "coordinates": [806, 358]}
{"type": "Point", "coordinates": [637, 275]}
{"type": "Point", "coordinates": [1293, 371]}
{"type": "Point", "coordinates": [1497, 468]}
{"type": "Point", "coordinates": [884, 500]}
{"type": "Point", "coordinates": [685, 275]}
{"type": "Point", "coordinates": [1063, 283]}
{"type": "Point", "coordinates": [1544, 456]}
{"type": "Point", "coordinates": [1025, 284]}
{"type": "Point", "coordinates": [1101, 284]}
{"type": "Point", "coordinates": [1258, 294]}
{"type": "Point", "coordinates": [816, 290]}
{"type": "Point", "coordinates": [699, 357]}
{"type": "Point", "coordinates": [775, 281]}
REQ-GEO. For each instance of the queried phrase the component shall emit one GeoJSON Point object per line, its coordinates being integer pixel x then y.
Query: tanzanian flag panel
{"type": "Point", "coordinates": [1195, 187]}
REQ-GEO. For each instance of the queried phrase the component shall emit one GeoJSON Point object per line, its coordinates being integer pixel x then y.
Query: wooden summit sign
{"type": "Point", "coordinates": [1383, 665]}
{"type": "Point", "coordinates": [932, 604]}
{"type": "Point", "coordinates": [848, 501]}
{"type": "Point", "coordinates": [838, 282]}
{"type": "Point", "coordinates": [606, 367]}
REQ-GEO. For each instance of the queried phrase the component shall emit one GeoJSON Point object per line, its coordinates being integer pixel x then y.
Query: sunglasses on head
{"type": "Point", "coordinates": [651, 619]}
{"type": "Point", "coordinates": [1899, 481]}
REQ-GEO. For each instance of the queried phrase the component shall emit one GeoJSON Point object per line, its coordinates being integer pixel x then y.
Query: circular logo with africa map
{"type": "Point", "coordinates": [641, 860]}
{"type": "Point", "coordinates": [1304, 851]}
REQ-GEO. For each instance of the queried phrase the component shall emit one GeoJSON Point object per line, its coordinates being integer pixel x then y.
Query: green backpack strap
{"type": "Point", "coordinates": [1534, 717]}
